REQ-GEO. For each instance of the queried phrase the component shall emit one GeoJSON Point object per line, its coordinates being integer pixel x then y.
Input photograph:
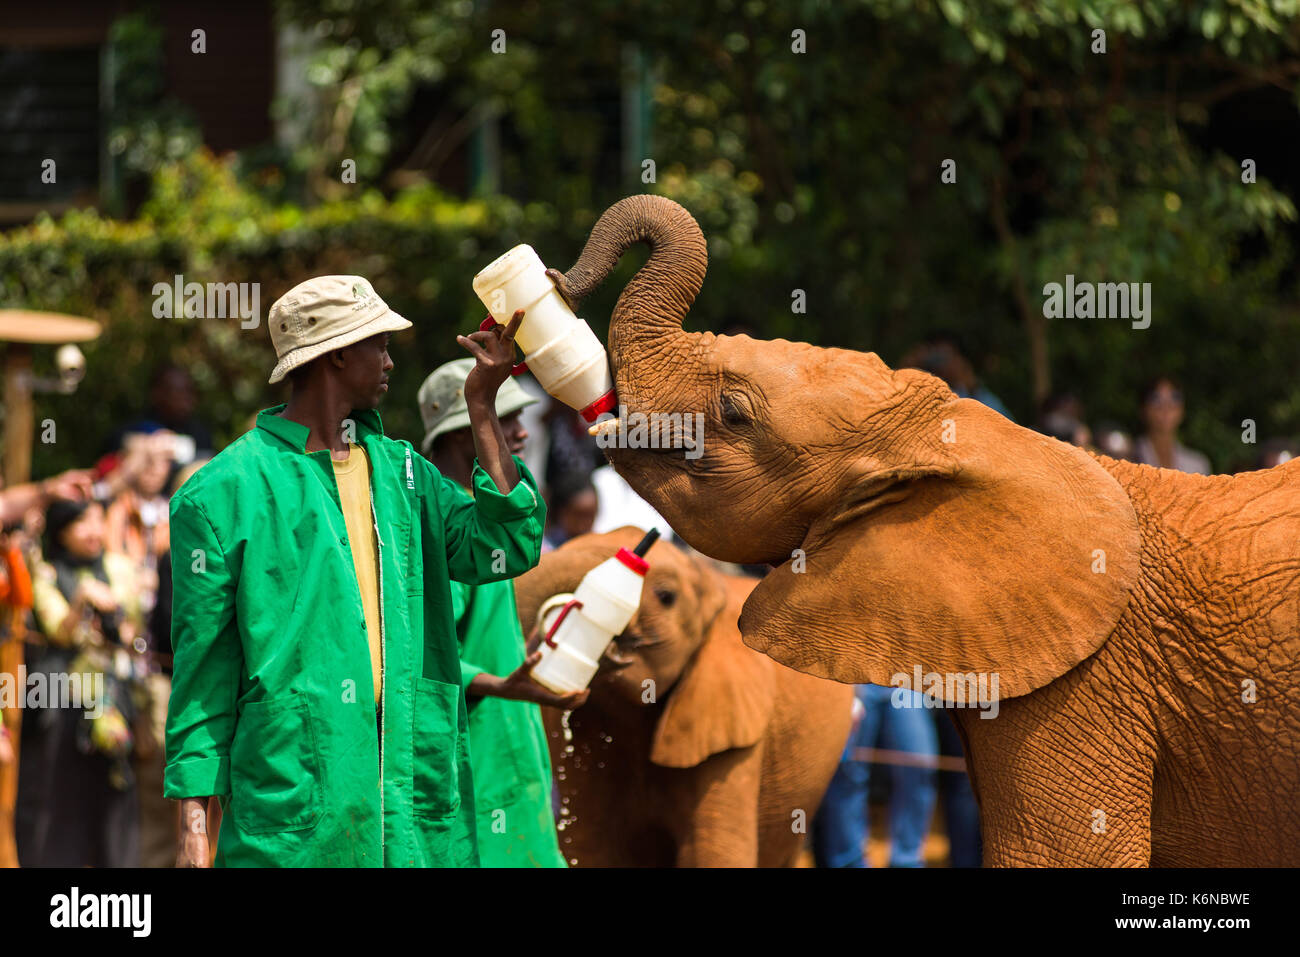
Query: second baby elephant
{"type": "Point", "coordinates": [693, 750]}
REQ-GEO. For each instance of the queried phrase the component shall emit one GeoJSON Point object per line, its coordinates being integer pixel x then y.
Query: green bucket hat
{"type": "Point", "coordinates": [442, 400]}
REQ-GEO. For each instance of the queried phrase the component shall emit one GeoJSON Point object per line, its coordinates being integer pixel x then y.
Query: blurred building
{"type": "Point", "coordinates": [59, 82]}
{"type": "Point", "coordinates": [55, 94]}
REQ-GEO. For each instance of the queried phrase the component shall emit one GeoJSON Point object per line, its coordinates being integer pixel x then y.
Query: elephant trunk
{"type": "Point", "coordinates": [656, 300]}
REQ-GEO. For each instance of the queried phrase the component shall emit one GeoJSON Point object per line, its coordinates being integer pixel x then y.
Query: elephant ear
{"type": "Point", "coordinates": [998, 551]}
{"type": "Point", "coordinates": [724, 698]}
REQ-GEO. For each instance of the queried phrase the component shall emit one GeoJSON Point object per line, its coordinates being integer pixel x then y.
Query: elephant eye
{"type": "Point", "coordinates": [736, 410]}
{"type": "Point", "coordinates": [666, 598]}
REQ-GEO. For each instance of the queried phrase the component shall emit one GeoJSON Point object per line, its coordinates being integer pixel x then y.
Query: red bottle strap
{"type": "Point", "coordinates": [550, 632]}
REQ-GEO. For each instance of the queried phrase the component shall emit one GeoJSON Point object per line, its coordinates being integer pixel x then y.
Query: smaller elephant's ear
{"type": "Point", "coordinates": [724, 699]}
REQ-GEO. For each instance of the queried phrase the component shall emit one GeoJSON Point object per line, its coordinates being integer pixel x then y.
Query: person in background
{"type": "Point", "coordinates": [15, 604]}
{"type": "Point", "coordinates": [961, 812]}
{"type": "Point", "coordinates": [1276, 452]}
{"type": "Point", "coordinates": [940, 355]}
{"type": "Point", "coordinates": [1113, 441]}
{"type": "Point", "coordinates": [77, 800]}
{"type": "Point", "coordinates": [137, 526]}
{"type": "Point", "coordinates": [173, 401]}
{"type": "Point", "coordinates": [17, 501]}
{"type": "Point", "coordinates": [1162, 413]}
{"type": "Point", "coordinates": [536, 419]}
{"type": "Point", "coordinates": [573, 450]}
{"type": "Point", "coordinates": [573, 508]}
{"type": "Point", "coordinates": [619, 505]}
{"type": "Point", "coordinates": [507, 741]}
{"type": "Point", "coordinates": [1062, 418]}
{"type": "Point", "coordinates": [136, 518]}
{"type": "Point", "coordinates": [23, 506]}
{"type": "Point", "coordinates": [841, 826]}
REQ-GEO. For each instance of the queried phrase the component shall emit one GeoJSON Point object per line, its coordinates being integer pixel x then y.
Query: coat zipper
{"type": "Point", "coordinates": [383, 665]}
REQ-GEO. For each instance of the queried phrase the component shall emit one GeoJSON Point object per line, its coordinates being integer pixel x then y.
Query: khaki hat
{"type": "Point", "coordinates": [324, 314]}
{"type": "Point", "coordinates": [442, 400]}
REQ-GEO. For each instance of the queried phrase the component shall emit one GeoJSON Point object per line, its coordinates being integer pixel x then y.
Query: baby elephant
{"type": "Point", "coordinates": [693, 750]}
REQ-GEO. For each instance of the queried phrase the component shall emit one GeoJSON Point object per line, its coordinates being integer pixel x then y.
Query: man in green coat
{"type": "Point", "coordinates": [512, 769]}
{"type": "Point", "coordinates": [317, 691]}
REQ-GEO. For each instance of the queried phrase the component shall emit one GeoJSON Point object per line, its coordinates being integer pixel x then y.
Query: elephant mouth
{"type": "Point", "coordinates": [615, 658]}
{"type": "Point", "coordinates": [613, 661]}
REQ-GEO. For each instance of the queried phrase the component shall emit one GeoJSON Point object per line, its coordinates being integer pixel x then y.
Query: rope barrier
{"type": "Point", "coordinates": [908, 759]}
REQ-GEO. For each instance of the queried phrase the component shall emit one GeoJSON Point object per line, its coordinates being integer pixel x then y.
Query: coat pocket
{"type": "Point", "coordinates": [434, 742]}
{"type": "Point", "coordinates": [275, 767]}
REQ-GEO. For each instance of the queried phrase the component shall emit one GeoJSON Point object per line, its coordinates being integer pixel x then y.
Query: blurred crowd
{"type": "Point", "coordinates": [1159, 409]}
{"type": "Point", "coordinates": [85, 582]}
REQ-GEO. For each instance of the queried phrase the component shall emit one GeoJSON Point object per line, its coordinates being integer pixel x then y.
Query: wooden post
{"type": "Point", "coordinates": [18, 413]}
{"type": "Point", "coordinates": [17, 469]}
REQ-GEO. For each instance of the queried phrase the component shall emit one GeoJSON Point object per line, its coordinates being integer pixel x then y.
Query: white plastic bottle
{"type": "Point", "coordinates": [559, 348]}
{"type": "Point", "coordinates": [600, 609]}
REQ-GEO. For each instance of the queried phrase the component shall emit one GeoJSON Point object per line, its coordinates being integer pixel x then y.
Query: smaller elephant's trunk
{"type": "Point", "coordinates": [656, 300]}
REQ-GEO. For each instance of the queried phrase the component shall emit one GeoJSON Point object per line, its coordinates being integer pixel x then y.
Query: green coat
{"type": "Point", "coordinates": [507, 741]}
{"type": "Point", "coordinates": [272, 703]}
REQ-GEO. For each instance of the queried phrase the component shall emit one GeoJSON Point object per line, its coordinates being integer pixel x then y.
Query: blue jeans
{"type": "Point", "coordinates": [960, 809]}
{"type": "Point", "coordinates": [841, 827]}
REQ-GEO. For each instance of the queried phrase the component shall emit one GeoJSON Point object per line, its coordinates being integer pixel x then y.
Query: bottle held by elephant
{"type": "Point", "coordinates": [579, 627]}
{"type": "Point", "coordinates": [560, 349]}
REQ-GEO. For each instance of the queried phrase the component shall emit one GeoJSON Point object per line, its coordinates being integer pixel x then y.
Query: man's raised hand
{"type": "Point", "coordinates": [494, 350]}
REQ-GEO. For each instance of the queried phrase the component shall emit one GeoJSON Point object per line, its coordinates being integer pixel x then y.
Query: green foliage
{"type": "Point", "coordinates": [366, 60]}
{"type": "Point", "coordinates": [1067, 161]}
{"type": "Point", "coordinates": [145, 128]}
{"type": "Point", "coordinates": [419, 248]}
{"type": "Point", "coordinates": [816, 171]}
